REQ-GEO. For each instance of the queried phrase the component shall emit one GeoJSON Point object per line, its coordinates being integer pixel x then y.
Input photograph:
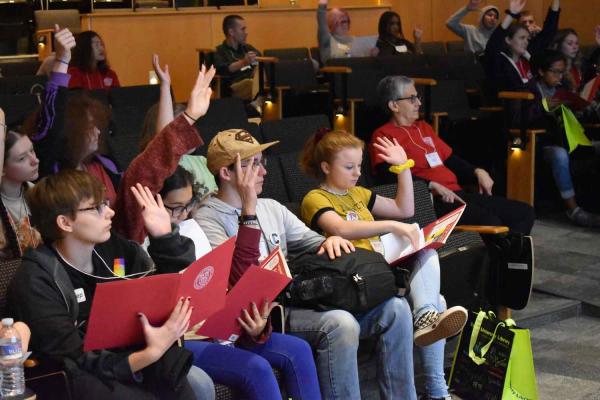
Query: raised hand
{"type": "Point", "coordinates": [159, 339]}
{"type": "Point", "coordinates": [163, 74]}
{"type": "Point", "coordinates": [597, 34]}
{"type": "Point", "coordinates": [334, 245]}
{"type": "Point", "coordinates": [418, 34]}
{"type": "Point", "coordinates": [447, 195]}
{"type": "Point", "coordinates": [64, 43]}
{"type": "Point", "coordinates": [391, 152]}
{"type": "Point", "coordinates": [254, 324]}
{"type": "Point", "coordinates": [485, 181]}
{"type": "Point", "coordinates": [156, 217]}
{"type": "Point", "coordinates": [473, 5]}
{"type": "Point", "coordinates": [516, 6]}
{"type": "Point", "coordinates": [201, 92]}
{"type": "Point", "coordinates": [323, 2]}
{"type": "Point", "coordinates": [246, 185]}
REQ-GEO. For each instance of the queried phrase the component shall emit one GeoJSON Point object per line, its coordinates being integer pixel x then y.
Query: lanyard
{"type": "Point", "coordinates": [422, 139]}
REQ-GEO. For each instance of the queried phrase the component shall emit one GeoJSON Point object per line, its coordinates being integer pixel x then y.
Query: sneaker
{"type": "Point", "coordinates": [583, 218]}
{"type": "Point", "coordinates": [432, 326]}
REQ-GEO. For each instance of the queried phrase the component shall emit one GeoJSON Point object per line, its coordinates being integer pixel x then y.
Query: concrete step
{"type": "Point", "coordinates": [545, 308]}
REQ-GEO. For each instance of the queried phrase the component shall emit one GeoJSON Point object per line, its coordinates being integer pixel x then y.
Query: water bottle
{"type": "Point", "coordinates": [11, 365]}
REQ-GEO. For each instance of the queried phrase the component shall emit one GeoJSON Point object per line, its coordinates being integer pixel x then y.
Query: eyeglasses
{"type": "Point", "coordinates": [99, 208]}
{"type": "Point", "coordinates": [345, 22]}
{"type": "Point", "coordinates": [179, 210]}
{"type": "Point", "coordinates": [413, 98]}
{"type": "Point", "coordinates": [255, 163]}
{"type": "Point", "coordinates": [557, 71]}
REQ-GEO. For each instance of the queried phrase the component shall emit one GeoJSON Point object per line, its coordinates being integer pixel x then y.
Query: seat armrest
{"type": "Point", "coordinates": [424, 81]}
{"type": "Point", "coordinates": [482, 229]}
{"type": "Point", "coordinates": [336, 70]}
{"type": "Point", "coordinates": [516, 95]}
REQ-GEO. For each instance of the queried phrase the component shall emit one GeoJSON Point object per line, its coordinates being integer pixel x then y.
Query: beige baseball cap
{"type": "Point", "coordinates": [225, 146]}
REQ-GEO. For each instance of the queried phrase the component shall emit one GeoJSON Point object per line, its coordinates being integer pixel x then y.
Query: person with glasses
{"type": "Point", "coordinates": [436, 164]}
{"type": "Point", "coordinates": [341, 207]}
{"type": "Point", "coordinates": [391, 40]}
{"type": "Point", "coordinates": [333, 33]}
{"type": "Point", "coordinates": [53, 292]}
{"type": "Point", "coordinates": [551, 66]}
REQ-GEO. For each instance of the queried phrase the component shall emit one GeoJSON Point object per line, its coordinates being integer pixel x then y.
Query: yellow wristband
{"type": "Point", "coordinates": [397, 169]}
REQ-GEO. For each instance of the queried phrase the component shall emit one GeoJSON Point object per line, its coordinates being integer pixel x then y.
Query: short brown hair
{"type": "Point", "coordinates": [323, 147]}
{"type": "Point", "coordinates": [60, 194]}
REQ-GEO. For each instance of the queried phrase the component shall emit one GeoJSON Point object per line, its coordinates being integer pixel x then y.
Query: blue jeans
{"type": "Point", "coordinates": [559, 160]}
{"type": "Point", "coordinates": [250, 371]}
{"type": "Point", "coordinates": [201, 384]}
{"type": "Point", "coordinates": [334, 337]}
{"type": "Point", "coordinates": [424, 296]}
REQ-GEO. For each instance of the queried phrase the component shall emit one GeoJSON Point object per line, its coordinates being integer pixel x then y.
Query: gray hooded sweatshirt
{"type": "Point", "coordinates": [476, 37]}
{"type": "Point", "coordinates": [279, 226]}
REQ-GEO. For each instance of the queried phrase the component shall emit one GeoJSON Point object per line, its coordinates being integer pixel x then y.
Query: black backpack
{"type": "Point", "coordinates": [354, 282]}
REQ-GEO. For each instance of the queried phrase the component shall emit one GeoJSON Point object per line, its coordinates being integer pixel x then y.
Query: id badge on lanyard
{"type": "Point", "coordinates": [433, 159]}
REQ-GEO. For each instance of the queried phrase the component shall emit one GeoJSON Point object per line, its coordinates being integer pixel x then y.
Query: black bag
{"type": "Point", "coordinates": [511, 272]}
{"type": "Point", "coordinates": [354, 282]}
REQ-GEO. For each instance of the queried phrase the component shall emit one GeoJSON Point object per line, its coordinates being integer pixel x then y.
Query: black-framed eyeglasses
{"type": "Point", "coordinates": [99, 208]}
{"type": "Point", "coordinates": [413, 98]}
{"type": "Point", "coordinates": [177, 211]}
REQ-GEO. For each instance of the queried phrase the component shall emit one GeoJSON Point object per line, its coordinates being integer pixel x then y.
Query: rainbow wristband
{"type": "Point", "coordinates": [397, 169]}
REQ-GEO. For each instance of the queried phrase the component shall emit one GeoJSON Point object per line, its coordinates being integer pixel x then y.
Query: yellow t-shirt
{"type": "Point", "coordinates": [356, 205]}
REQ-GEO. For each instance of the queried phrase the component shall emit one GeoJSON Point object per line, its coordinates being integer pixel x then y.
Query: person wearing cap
{"type": "Point", "coordinates": [475, 37]}
{"type": "Point", "coordinates": [333, 335]}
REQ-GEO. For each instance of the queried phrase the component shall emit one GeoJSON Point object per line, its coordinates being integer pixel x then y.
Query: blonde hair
{"type": "Point", "coordinates": [324, 146]}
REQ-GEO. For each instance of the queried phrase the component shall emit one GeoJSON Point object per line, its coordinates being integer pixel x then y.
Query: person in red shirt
{"type": "Point", "coordinates": [89, 68]}
{"type": "Point", "coordinates": [436, 164]}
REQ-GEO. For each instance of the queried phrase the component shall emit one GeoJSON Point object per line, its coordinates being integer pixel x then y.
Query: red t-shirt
{"type": "Point", "coordinates": [97, 169]}
{"type": "Point", "coordinates": [417, 140]}
{"type": "Point", "coordinates": [93, 80]}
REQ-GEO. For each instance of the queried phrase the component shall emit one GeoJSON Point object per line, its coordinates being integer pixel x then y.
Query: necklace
{"type": "Point", "coordinates": [332, 191]}
{"type": "Point", "coordinates": [18, 219]}
{"type": "Point", "coordinates": [341, 197]}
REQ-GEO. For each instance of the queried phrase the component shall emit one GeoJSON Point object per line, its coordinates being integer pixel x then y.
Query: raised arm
{"type": "Point", "coordinates": [403, 205]}
{"type": "Point", "coordinates": [323, 35]}
{"type": "Point", "coordinates": [454, 22]}
{"type": "Point", "coordinates": [165, 104]}
{"type": "Point", "coordinates": [161, 157]}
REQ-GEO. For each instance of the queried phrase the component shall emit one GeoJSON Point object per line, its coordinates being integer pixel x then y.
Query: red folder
{"type": "Point", "coordinates": [571, 100]}
{"type": "Point", "coordinates": [113, 318]}
{"type": "Point", "coordinates": [256, 285]}
{"type": "Point", "coordinates": [432, 236]}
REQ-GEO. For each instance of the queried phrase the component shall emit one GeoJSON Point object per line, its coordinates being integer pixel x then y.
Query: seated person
{"type": "Point", "coordinates": [89, 68]}
{"type": "Point", "coordinates": [235, 59]}
{"type": "Point", "coordinates": [475, 37]}
{"type": "Point", "coordinates": [18, 168]}
{"type": "Point", "coordinates": [53, 291]}
{"type": "Point", "coordinates": [333, 335]}
{"type": "Point", "coordinates": [391, 40]}
{"type": "Point", "coordinates": [550, 66]}
{"type": "Point", "coordinates": [158, 117]}
{"type": "Point", "coordinates": [436, 164]}
{"type": "Point", "coordinates": [592, 83]}
{"type": "Point", "coordinates": [540, 38]}
{"type": "Point", "coordinates": [340, 207]}
{"type": "Point", "coordinates": [247, 367]}
{"type": "Point", "coordinates": [333, 33]}
{"type": "Point", "coordinates": [567, 42]}
{"type": "Point", "coordinates": [73, 124]}
{"type": "Point", "coordinates": [506, 60]}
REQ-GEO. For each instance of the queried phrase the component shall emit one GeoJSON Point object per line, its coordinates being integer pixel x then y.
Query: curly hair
{"type": "Point", "coordinates": [324, 147]}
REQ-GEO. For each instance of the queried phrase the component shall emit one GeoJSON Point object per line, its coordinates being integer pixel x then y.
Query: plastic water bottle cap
{"type": "Point", "coordinates": [7, 321]}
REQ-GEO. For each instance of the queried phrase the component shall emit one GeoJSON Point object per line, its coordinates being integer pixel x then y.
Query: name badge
{"type": "Point", "coordinates": [108, 81]}
{"type": "Point", "coordinates": [401, 49]}
{"type": "Point", "coordinates": [351, 216]}
{"type": "Point", "coordinates": [80, 295]}
{"type": "Point", "coordinates": [433, 159]}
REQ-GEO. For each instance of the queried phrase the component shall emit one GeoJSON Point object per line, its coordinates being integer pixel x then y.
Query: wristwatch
{"type": "Point", "coordinates": [247, 218]}
{"type": "Point", "coordinates": [512, 14]}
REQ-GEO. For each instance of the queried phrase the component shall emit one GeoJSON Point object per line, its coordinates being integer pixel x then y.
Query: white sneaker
{"type": "Point", "coordinates": [432, 326]}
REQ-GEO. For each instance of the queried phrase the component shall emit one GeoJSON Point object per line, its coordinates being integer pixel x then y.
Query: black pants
{"type": "Point", "coordinates": [89, 387]}
{"type": "Point", "coordinates": [490, 210]}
